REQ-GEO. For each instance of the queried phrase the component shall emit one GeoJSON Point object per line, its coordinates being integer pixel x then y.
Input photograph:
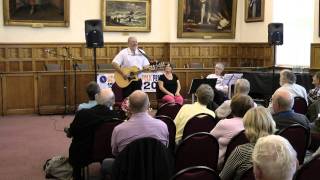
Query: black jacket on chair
{"type": "Point", "coordinates": [143, 159]}
{"type": "Point", "coordinates": [82, 130]}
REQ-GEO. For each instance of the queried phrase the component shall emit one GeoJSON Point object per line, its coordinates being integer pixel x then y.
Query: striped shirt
{"type": "Point", "coordinates": [239, 161]}
{"type": "Point", "coordinates": [314, 94]}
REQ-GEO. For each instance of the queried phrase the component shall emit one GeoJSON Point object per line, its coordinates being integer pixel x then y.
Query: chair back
{"type": "Point", "coordinates": [52, 67]}
{"type": "Point", "coordinates": [248, 175]}
{"type": "Point", "coordinates": [196, 173]}
{"type": "Point", "coordinates": [300, 105]}
{"type": "Point", "coordinates": [309, 170]}
{"type": "Point", "coordinates": [169, 109]}
{"type": "Point", "coordinates": [298, 136]}
{"type": "Point", "coordinates": [83, 67]}
{"type": "Point", "coordinates": [237, 140]}
{"type": "Point", "coordinates": [104, 66]}
{"type": "Point", "coordinates": [171, 128]}
{"type": "Point", "coordinates": [199, 149]}
{"type": "Point", "coordinates": [102, 141]}
{"type": "Point", "coordinates": [143, 159]}
{"type": "Point", "coordinates": [199, 123]}
{"type": "Point", "coordinates": [196, 65]}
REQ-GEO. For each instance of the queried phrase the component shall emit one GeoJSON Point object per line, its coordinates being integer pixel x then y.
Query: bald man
{"type": "Point", "coordinates": [83, 127]}
{"type": "Point", "coordinates": [140, 124]}
{"type": "Point", "coordinates": [129, 57]}
{"type": "Point", "coordinates": [284, 116]}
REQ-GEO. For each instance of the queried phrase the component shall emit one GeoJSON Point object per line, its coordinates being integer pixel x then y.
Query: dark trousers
{"type": "Point", "coordinates": [134, 85]}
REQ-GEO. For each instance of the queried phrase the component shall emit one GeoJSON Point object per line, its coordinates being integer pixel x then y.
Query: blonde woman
{"type": "Point", "coordinates": [258, 123]}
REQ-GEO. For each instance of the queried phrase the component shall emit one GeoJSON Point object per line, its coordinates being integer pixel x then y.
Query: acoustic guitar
{"type": "Point", "coordinates": [132, 74]}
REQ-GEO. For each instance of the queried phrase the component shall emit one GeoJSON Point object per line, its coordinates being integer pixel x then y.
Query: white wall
{"type": "Point", "coordinates": [316, 22]}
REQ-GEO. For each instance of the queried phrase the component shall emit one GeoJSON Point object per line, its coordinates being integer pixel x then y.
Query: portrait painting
{"type": "Point", "coordinates": [126, 15]}
{"type": "Point", "coordinates": [36, 13]}
{"type": "Point", "coordinates": [254, 10]}
{"type": "Point", "coordinates": [207, 18]}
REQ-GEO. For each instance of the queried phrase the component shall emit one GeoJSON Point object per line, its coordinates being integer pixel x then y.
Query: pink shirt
{"type": "Point", "coordinates": [224, 131]}
{"type": "Point", "coordinates": [140, 125]}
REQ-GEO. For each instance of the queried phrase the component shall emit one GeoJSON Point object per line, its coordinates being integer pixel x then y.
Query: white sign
{"type": "Point", "coordinates": [149, 80]}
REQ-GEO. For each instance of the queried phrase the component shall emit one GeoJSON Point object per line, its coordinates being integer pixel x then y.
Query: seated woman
{"type": "Point", "coordinates": [226, 129]}
{"type": "Point", "coordinates": [169, 86]}
{"type": "Point", "coordinates": [258, 123]}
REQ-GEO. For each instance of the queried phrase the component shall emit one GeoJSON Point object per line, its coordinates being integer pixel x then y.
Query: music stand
{"type": "Point", "coordinates": [195, 83]}
{"type": "Point", "coordinates": [230, 79]}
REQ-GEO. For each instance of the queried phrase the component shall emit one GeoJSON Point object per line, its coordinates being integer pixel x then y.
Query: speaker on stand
{"type": "Point", "coordinates": [94, 39]}
{"type": "Point", "coordinates": [275, 38]}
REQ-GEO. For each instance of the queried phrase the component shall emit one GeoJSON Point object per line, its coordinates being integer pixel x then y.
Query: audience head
{"type": "Point", "coordinates": [274, 159]}
{"type": "Point", "coordinates": [92, 89]}
{"type": "Point", "coordinates": [287, 76]}
{"type": "Point", "coordinates": [138, 102]}
{"type": "Point", "coordinates": [205, 94]}
{"type": "Point", "coordinates": [242, 86]}
{"type": "Point", "coordinates": [105, 97]}
{"type": "Point", "coordinates": [168, 68]}
{"type": "Point", "coordinates": [316, 79]}
{"type": "Point", "coordinates": [132, 43]}
{"type": "Point", "coordinates": [258, 122]}
{"type": "Point", "coordinates": [218, 69]}
{"type": "Point", "coordinates": [282, 101]}
{"type": "Point", "coordinates": [240, 104]}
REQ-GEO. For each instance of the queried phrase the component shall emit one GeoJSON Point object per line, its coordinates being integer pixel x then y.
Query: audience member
{"type": "Point", "coordinates": [287, 82]}
{"type": "Point", "coordinates": [169, 86]}
{"type": "Point", "coordinates": [274, 159]}
{"type": "Point", "coordinates": [140, 124]}
{"type": "Point", "coordinates": [92, 89]}
{"type": "Point", "coordinates": [83, 127]}
{"type": "Point", "coordinates": [258, 123]}
{"type": "Point", "coordinates": [242, 86]}
{"type": "Point", "coordinates": [284, 116]}
{"type": "Point", "coordinates": [218, 69]}
{"type": "Point", "coordinates": [204, 95]}
{"type": "Point", "coordinates": [228, 128]}
{"type": "Point", "coordinates": [314, 94]}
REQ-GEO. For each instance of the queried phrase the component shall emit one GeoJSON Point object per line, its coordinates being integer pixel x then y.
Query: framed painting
{"type": "Point", "coordinates": [126, 15]}
{"type": "Point", "coordinates": [207, 19]}
{"type": "Point", "coordinates": [36, 13]}
{"type": "Point", "coordinates": [254, 10]}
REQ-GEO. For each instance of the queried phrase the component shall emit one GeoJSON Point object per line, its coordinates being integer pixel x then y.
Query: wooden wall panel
{"type": "Point", "coordinates": [18, 93]}
{"type": "Point", "coordinates": [315, 56]}
{"type": "Point", "coordinates": [1, 96]}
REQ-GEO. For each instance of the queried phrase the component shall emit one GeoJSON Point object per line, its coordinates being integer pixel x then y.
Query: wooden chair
{"type": "Point", "coordinates": [104, 66]}
{"type": "Point", "coordinates": [196, 173]}
{"type": "Point", "coordinates": [309, 170]}
{"type": "Point", "coordinates": [196, 65]}
{"type": "Point", "coordinates": [52, 67]}
{"type": "Point", "coordinates": [83, 67]}
{"type": "Point", "coordinates": [199, 149]}
{"type": "Point", "coordinates": [199, 123]}
{"type": "Point", "coordinates": [298, 136]}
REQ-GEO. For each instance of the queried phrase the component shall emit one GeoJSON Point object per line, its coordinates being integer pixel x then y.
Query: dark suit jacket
{"type": "Point", "coordinates": [287, 118]}
{"type": "Point", "coordinates": [82, 130]}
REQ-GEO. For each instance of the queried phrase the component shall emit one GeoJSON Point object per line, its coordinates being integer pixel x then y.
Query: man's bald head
{"type": "Point", "coordinates": [138, 102]}
{"type": "Point", "coordinates": [282, 101]}
{"type": "Point", "coordinates": [105, 97]}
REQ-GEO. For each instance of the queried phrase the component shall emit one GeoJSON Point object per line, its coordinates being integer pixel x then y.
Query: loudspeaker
{"type": "Point", "coordinates": [94, 33]}
{"type": "Point", "coordinates": [275, 33]}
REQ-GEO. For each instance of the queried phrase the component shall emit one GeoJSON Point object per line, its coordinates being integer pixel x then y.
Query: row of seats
{"type": "Point", "coordinates": [79, 66]}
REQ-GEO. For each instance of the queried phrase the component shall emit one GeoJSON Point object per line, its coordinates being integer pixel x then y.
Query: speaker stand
{"type": "Point", "coordinates": [274, 47]}
{"type": "Point", "coordinates": [95, 63]}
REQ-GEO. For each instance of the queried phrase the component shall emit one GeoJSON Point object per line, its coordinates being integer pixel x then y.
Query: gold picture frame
{"type": "Point", "coordinates": [126, 15]}
{"type": "Point", "coordinates": [208, 19]}
{"type": "Point", "coordinates": [36, 13]}
{"type": "Point", "coordinates": [254, 10]}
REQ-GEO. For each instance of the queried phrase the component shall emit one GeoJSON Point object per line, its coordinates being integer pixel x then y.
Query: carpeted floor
{"type": "Point", "coordinates": [27, 141]}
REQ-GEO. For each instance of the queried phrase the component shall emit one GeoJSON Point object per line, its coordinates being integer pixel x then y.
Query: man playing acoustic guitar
{"type": "Point", "coordinates": [129, 63]}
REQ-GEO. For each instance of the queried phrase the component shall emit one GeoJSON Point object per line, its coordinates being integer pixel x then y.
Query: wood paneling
{"type": "Point", "coordinates": [315, 56]}
{"type": "Point", "coordinates": [27, 88]}
{"type": "Point", "coordinates": [18, 93]}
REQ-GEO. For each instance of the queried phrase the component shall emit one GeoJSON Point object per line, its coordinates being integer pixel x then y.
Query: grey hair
{"type": "Point", "coordinates": [283, 101]}
{"type": "Point", "coordinates": [242, 86]}
{"type": "Point", "coordinates": [288, 76]}
{"type": "Point", "coordinates": [138, 102]}
{"type": "Point", "coordinates": [205, 94]}
{"type": "Point", "coordinates": [105, 97]}
{"type": "Point", "coordinates": [219, 65]}
{"type": "Point", "coordinates": [275, 157]}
